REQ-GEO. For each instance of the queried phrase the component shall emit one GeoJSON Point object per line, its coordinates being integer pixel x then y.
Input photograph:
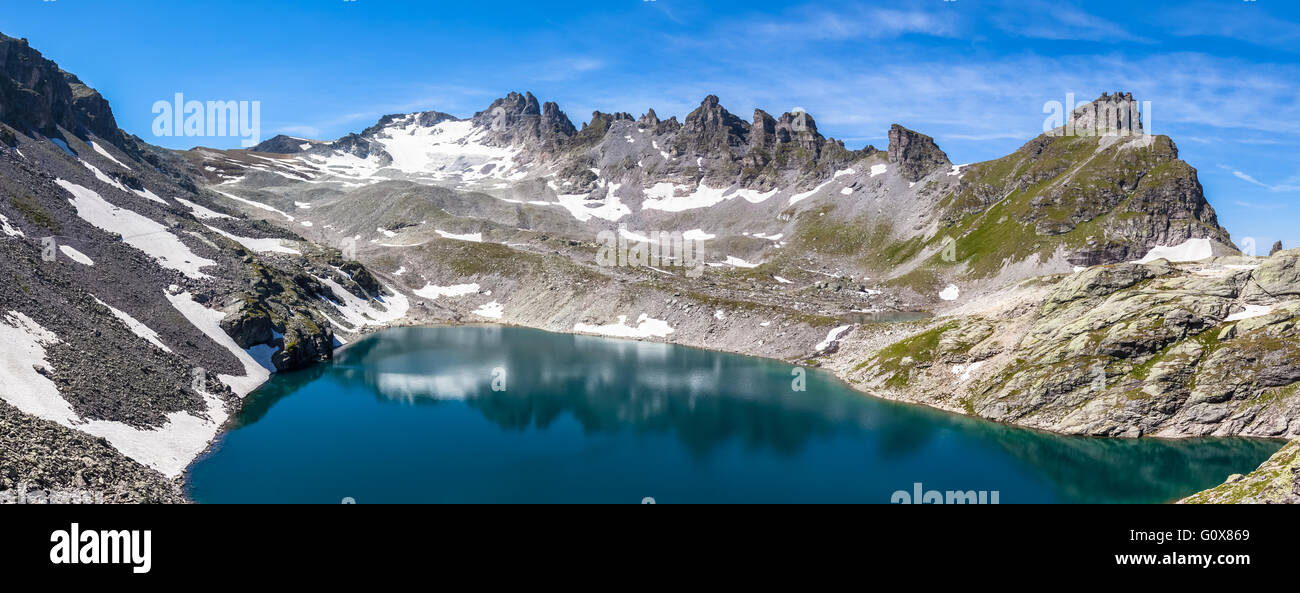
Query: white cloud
{"type": "Point", "coordinates": [1283, 187]}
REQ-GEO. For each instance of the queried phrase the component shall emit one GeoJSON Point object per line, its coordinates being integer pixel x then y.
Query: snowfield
{"type": "Point", "coordinates": [137, 231]}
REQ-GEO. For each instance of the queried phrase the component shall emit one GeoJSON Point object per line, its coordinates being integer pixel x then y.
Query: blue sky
{"type": "Point", "coordinates": [1223, 76]}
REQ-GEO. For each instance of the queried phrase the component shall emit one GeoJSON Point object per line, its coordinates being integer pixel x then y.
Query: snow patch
{"type": "Point", "coordinates": [100, 150]}
{"type": "Point", "coordinates": [492, 310]}
{"type": "Point", "coordinates": [200, 212]}
{"type": "Point", "coordinates": [739, 263]}
{"type": "Point", "coordinates": [8, 229]}
{"type": "Point", "coordinates": [472, 237]}
{"type": "Point", "coordinates": [950, 293]}
{"type": "Point", "coordinates": [646, 327]}
{"type": "Point", "coordinates": [831, 337]}
{"type": "Point", "coordinates": [662, 196]}
{"type": "Point", "coordinates": [359, 312]}
{"type": "Point", "coordinates": [257, 205]}
{"type": "Point", "coordinates": [1251, 311]}
{"type": "Point", "coordinates": [137, 231]}
{"type": "Point", "coordinates": [135, 326]}
{"type": "Point", "coordinates": [1187, 251]}
{"type": "Point", "coordinates": [432, 292]}
{"type": "Point", "coordinates": [964, 371]}
{"type": "Point", "coordinates": [76, 256]}
{"type": "Point", "coordinates": [258, 245]}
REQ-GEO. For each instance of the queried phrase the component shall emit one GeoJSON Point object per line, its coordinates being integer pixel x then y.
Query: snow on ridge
{"type": "Point", "coordinates": [447, 147]}
{"type": "Point", "coordinates": [208, 321]}
{"type": "Point", "coordinates": [137, 230]}
{"type": "Point", "coordinates": [963, 371]}
{"type": "Point", "coordinates": [646, 327]}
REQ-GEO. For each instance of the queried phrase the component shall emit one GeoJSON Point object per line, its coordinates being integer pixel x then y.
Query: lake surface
{"type": "Point", "coordinates": [411, 415]}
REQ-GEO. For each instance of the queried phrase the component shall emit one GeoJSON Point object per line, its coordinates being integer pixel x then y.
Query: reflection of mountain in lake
{"type": "Point", "coordinates": [616, 397]}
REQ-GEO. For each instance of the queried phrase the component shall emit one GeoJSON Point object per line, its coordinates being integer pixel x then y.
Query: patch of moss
{"type": "Point", "coordinates": [35, 213]}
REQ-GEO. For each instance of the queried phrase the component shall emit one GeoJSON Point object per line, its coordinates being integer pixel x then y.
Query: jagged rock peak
{"type": "Point", "coordinates": [519, 118]}
{"type": "Point", "coordinates": [649, 120]}
{"type": "Point", "coordinates": [915, 154]}
{"type": "Point", "coordinates": [711, 115]}
{"type": "Point", "coordinates": [797, 126]}
{"type": "Point", "coordinates": [711, 127]}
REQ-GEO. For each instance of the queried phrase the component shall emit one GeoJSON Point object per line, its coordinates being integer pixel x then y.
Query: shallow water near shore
{"type": "Point", "coordinates": [411, 415]}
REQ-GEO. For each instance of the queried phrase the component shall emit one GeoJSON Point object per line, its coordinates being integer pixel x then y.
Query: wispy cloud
{"type": "Point", "coordinates": [1059, 21]}
{"type": "Point", "coordinates": [818, 24]}
{"type": "Point", "coordinates": [1283, 187]}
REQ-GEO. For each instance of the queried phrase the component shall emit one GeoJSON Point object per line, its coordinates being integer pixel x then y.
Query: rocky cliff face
{"type": "Point", "coordinates": [1127, 350]}
{"type": "Point", "coordinates": [915, 154]}
{"type": "Point", "coordinates": [36, 96]}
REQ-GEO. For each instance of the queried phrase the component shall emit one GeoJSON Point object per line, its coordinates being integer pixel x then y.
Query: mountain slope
{"type": "Point", "coordinates": [135, 315]}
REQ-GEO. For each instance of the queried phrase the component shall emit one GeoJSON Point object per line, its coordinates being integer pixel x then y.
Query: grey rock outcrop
{"type": "Point", "coordinates": [915, 154]}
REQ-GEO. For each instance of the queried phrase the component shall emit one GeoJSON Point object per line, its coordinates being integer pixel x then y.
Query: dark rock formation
{"type": "Point", "coordinates": [915, 154]}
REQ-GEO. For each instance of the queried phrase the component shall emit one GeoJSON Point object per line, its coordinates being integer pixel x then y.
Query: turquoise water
{"type": "Point", "coordinates": [410, 415]}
